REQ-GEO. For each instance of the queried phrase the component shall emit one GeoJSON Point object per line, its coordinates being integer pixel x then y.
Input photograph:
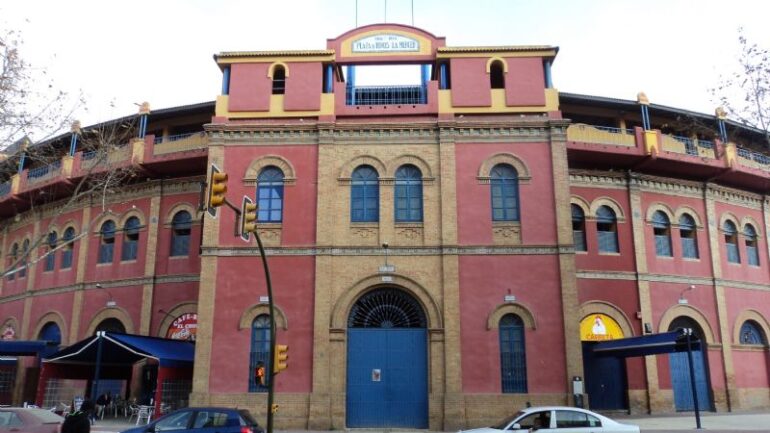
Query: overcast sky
{"type": "Point", "coordinates": [121, 53]}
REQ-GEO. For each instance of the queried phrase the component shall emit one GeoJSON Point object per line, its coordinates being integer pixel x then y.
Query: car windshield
{"type": "Point", "coordinates": [504, 423]}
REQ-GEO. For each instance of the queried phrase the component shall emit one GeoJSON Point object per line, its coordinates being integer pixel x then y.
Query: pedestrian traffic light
{"type": "Point", "coordinates": [281, 358]}
{"type": "Point", "coordinates": [217, 188]}
{"type": "Point", "coordinates": [248, 218]}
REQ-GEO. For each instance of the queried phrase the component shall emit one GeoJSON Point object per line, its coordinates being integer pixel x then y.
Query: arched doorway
{"type": "Point", "coordinates": [680, 371]}
{"type": "Point", "coordinates": [50, 332]}
{"type": "Point", "coordinates": [605, 376]}
{"type": "Point", "coordinates": [110, 325]}
{"type": "Point", "coordinates": [387, 361]}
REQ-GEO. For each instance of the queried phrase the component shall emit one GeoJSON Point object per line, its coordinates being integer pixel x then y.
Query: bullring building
{"type": "Point", "coordinates": [442, 251]}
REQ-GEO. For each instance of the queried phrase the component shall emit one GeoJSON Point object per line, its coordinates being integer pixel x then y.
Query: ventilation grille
{"type": "Point", "coordinates": [387, 308]}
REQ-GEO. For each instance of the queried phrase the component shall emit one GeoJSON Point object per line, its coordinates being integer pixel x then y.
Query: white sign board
{"type": "Point", "coordinates": [385, 44]}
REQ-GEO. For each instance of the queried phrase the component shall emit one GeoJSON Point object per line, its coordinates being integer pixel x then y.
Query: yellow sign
{"type": "Point", "coordinates": [599, 327]}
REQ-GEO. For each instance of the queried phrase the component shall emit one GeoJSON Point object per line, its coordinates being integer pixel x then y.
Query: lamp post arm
{"type": "Point", "coordinates": [271, 359]}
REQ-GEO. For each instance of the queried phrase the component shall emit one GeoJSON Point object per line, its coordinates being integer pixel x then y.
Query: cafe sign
{"type": "Point", "coordinates": [599, 327]}
{"type": "Point", "coordinates": [184, 327]}
{"type": "Point", "coordinates": [385, 43]}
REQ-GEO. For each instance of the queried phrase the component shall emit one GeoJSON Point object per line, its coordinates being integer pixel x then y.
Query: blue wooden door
{"type": "Point", "coordinates": [387, 381]}
{"type": "Point", "coordinates": [605, 380]}
{"type": "Point", "coordinates": [680, 381]}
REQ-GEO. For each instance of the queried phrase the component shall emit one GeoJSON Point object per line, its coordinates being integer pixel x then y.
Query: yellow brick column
{"type": "Point", "coordinates": [149, 264]}
{"type": "Point", "coordinates": [569, 297]}
{"type": "Point", "coordinates": [207, 293]}
{"type": "Point", "coordinates": [454, 402]}
{"type": "Point", "coordinates": [327, 401]}
{"type": "Point", "coordinates": [77, 300]}
{"type": "Point", "coordinates": [655, 402]}
{"type": "Point", "coordinates": [722, 402]}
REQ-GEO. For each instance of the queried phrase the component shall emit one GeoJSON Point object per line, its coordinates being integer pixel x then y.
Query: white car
{"type": "Point", "coordinates": [559, 419]}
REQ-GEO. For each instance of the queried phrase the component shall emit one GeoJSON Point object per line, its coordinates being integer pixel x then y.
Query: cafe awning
{"type": "Point", "coordinates": [27, 348]}
{"type": "Point", "coordinates": [126, 349]}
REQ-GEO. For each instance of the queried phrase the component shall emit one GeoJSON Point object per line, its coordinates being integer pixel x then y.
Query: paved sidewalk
{"type": "Point", "coordinates": [725, 421]}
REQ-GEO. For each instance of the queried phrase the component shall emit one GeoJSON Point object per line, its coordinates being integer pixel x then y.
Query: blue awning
{"type": "Point", "coordinates": [27, 348]}
{"type": "Point", "coordinates": [668, 342]}
{"type": "Point", "coordinates": [125, 349]}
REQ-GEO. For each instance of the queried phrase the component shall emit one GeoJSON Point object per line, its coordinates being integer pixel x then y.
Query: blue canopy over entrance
{"type": "Point", "coordinates": [667, 342]}
{"type": "Point", "coordinates": [28, 348]}
{"type": "Point", "coordinates": [125, 349]}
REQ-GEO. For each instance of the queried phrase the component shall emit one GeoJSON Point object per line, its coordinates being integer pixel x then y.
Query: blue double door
{"type": "Point", "coordinates": [387, 381]}
{"type": "Point", "coordinates": [682, 384]}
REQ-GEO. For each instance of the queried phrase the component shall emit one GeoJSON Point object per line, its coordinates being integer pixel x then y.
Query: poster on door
{"type": "Point", "coordinates": [183, 327]}
{"type": "Point", "coordinates": [599, 327]}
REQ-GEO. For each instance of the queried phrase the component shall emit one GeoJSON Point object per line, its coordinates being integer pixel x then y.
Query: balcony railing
{"type": "Point", "coordinates": [5, 188]}
{"type": "Point", "coordinates": [39, 172]}
{"type": "Point", "coordinates": [386, 95]}
{"type": "Point", "coordinates": [175, 137]}
{"type": "Point", "coordinates": [753, 159]}
{"type": "Point", "coordinates": [601, 135]}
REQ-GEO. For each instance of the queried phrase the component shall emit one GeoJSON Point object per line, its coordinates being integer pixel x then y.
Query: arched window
{"type": "Point", "coordinates": [130, 239]}
{"type": "Point", "coordinates": [110, 325]}
{"type": "Point", "coordinates": [279, 80]}
{"type": "Point", "coordinates": [260, 353]}
{"type": "Point", "coordinates": [513, 357]}
{"type": "Point", "coordinates": [688, 235]}
{"type": "Point", "coordinates": [50, 332]}
{"type": "Point", "coordinates": [12, 260]}
{"type": "Point", "coordinates": [504, 182]}
{"type": "Point", "coordinates": [579, 228]}
{"type": "Point", "coordinates": [181, 225]}
{"type": "Point", "coordinates": [107, 243]}
{"type": "Point", "coordinates": [497, 75]}
{"type": "Point", "coordinates": [751, 333]}
{"type": "Point", "coordinates": [365, 195]}
{"type": "Point", "coordinates": [50, 258]}
{"type": "Point", "coordinates": [731, 242]}
{"type": "Point", "coordinates": [24, 255]}
{"type": "Point", "coordinates": [752, 253]}
{"type": "Point", "coordinates": [607, 230]}
{"type": "Point", "coordinates": [270, 195]}
{"type": "Point", "coordinates": [661, 227]}
{"type": "Point", "coordinates": [408, 194]}
{"type": "Point", "coordinates": [69, 246]}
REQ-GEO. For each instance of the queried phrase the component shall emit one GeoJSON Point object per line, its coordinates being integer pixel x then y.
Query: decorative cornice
{"type": "Point", "coordinates": [392, 251]}
{"type": "Point", "coordinates": [604, 179]}
{"type": "Point", "coordinates": [734, 196]}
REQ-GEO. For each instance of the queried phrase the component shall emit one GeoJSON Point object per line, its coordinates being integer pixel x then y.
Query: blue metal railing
{"type": "Point", "coordinates": [706, 144]}
{"type": "Point", "coordinates": [91, 154]}
{"type": "Point", "coordinates": [44, 170]}
{"type": "Point", "coordinates": [5, 188]}
{"type": "Point", "coordinates": [614, 130]}
{"type": "Point", "coordinates": [760, 158]}
{"type": "Point", "coordinates": [689, 145]}
{"type": "Point", "coordinates": [744, 153]}
{"type": "Point", "coordinates": [176, 137]}
{"type": "Point", "coordinates": [386, 95]}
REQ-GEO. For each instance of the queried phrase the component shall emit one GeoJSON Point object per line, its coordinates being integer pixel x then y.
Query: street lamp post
{"type": "Point", "coordinates": [271, 359]}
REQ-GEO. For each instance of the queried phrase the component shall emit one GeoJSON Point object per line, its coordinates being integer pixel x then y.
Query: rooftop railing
{"type": "Point", "coordinates": [386, 95]}
{"type": "Point", "coordinates": [689, 144]}
{"type": "Point", "coordinates": [5, 188]}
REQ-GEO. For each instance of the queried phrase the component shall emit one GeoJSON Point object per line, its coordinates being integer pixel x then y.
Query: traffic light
{"type": "Point", "coordinates": [217, 189]}
{"type": "Point", "coordinates": [281, 358]}
{"type": "Point", "coordinates": [248, 218]}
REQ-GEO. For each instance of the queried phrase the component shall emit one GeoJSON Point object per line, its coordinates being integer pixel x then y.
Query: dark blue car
{"type": "Point", "coordinates": [202, 420]}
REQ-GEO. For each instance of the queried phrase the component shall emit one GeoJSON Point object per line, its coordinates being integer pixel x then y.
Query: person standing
{"type": "Point", "coordinates": [79, 421]}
